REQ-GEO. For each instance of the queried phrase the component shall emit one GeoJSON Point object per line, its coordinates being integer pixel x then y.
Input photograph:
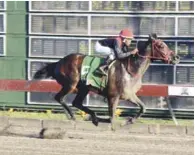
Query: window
{"type": "Point", "coordinates": [2, 45]}
{"type": "Point", "coordinates": [186, 6]}
{"type": "Point", "coordinates": [186, 50]}
{"type": "Point", "coordinates": [185, 74]}
{"type": "Point", "coordinates": [58, 24]}
{"type": "Point", "coordinates": [161, 74]}
{"type": "Point", "coordinates": [2, 5]}
{"type": "Point", "coordinates": [186, 26]}
{"type": "Point", "coordinates": [54, 47]}
{"type": "Point", "coordinates": [2, 30]}
{"type": "Point", "coordinates": [2, 23]}
{"type": "Point", "coordinates": [59, 6]}
{"type": "Point", "coordinates": [138, 6]}
{"type": "Point", "coordinates": [111, 25]}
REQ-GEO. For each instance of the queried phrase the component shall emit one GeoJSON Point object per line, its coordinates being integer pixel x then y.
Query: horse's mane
{"type": "Point", "coordinates": [142, 46]}
{"type": "Point", "coordinates": [133, 62]}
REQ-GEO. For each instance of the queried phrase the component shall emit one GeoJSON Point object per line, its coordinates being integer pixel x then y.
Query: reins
{"type": "Point", "coordinates": [152, 54]}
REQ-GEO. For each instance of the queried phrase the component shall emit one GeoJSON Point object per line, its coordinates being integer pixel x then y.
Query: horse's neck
{"type": "Point", "coordinates": [145, 62]}
{"type": "Point", "coordinates": [136, 65]}
{"type": "Point", "coordinates": [140, 63]}
{"type": "Point", "coordinates": [144, 66]}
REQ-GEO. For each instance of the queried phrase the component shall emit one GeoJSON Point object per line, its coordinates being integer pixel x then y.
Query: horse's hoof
{"type": "Point", "coordinates": [87, 118]}
{"type": "Point", "coordinates": [42, 132]}
{"type": "Point", "coordinates": [72, 118]}
{"type": "Point", "coordinates": [113, 128]}
{"type": "Point", "coordinates": [130, 120]}
{"type": "Point", "coordinates": [95, 121]}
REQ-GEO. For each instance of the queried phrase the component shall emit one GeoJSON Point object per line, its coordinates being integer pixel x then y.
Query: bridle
{"type": "Point", "coordinates": [155, 51]}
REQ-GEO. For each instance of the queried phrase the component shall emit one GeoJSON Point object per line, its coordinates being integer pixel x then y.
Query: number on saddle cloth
{"type": "Point", "coordinates": [89, 70]}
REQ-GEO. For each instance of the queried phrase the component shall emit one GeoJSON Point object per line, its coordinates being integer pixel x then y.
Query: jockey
{"type": "Point", "coordinates": [115, 48]}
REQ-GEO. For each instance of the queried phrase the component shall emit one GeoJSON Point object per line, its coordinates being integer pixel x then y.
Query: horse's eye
{"type": "Point", "coordinates": [161, 46]}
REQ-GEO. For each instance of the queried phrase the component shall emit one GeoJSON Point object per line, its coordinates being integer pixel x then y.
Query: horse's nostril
{"type": "Point", "coordinates": [176, 59]}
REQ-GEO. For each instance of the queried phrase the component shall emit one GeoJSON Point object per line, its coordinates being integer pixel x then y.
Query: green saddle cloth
{"type": "Point", "coordinates": [90, 73]}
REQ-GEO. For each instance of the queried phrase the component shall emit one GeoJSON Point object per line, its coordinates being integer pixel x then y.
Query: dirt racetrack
{"type": "Point", "coordinates": [21, 137]}
{"type": "Point", "coordinates": [102, 144]}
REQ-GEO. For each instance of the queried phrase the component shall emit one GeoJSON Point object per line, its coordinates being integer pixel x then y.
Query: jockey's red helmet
{"type": "Point", "coordinates": [126, 33]}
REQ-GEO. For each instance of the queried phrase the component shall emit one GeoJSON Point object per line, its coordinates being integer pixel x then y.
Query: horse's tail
{"type": "Point", "coordinates": [43, 73]}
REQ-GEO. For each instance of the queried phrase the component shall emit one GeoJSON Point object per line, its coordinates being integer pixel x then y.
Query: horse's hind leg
{"type": "Point", "coordinates": [78, 102]}
{"type": "Point", "coordinates": [68, 78]}
{"type": "Point", "coordinates": [59, 97]}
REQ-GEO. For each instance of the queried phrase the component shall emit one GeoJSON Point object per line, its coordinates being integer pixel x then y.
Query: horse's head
{"type": "Point", "coordinates": [160, 51]}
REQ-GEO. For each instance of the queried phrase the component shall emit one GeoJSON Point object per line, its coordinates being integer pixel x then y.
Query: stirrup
{"type": "Point", "coordinates": [103, 71]}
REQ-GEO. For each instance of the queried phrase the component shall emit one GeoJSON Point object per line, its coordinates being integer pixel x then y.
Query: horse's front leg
{"type": "Point", "coordinates": [142, 107]}
{"type": "Point", "coordinates": [138, 102]}
{"type": "Point", "coordinates": [112, 105]}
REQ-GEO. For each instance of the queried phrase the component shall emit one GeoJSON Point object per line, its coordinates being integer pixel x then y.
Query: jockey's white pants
{"type": "Point", "coordinates": [104, 50]}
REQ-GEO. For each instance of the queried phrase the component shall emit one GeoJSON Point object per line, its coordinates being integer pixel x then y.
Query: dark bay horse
{"type": "Point", "coordinates": [124, 77]}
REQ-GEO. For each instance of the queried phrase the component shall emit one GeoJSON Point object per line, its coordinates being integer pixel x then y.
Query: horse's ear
{"type": "Point", "coordinates": [152, 36]}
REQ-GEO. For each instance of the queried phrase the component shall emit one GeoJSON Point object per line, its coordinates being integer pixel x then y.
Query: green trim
{"type": "Point", "coordinates": [89, 72]}
{"type": "Point", "coordinates": [13, 64]}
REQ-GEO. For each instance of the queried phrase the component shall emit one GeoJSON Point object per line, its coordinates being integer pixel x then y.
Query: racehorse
{"type": "Point", "coordinates": [123, 81]}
